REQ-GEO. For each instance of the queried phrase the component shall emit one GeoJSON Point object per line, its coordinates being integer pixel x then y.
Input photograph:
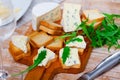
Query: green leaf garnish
{"type": "Point", "coordinates": [73, 34]}
{"type": "Point", "coordinates": [37, 61]}
{"type": "Point", "coordinates": [66, 53]}
{"type": "Point", "coordinates": [108, 33]}
{"type": "Point", "coordinates": [73, 40]}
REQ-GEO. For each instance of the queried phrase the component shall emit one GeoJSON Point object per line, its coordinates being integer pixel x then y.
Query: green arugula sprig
{"type": "Point", "coordinates": [73, 40]}
{"type": "Point", "coordinates": [66, 53]}
{"type": "Point", "coordinates": [37, 61]}
{"type": "Point", "coordinates": [108, 33]}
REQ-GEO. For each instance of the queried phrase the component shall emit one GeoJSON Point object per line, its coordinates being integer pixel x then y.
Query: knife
{"type": "Point", "coordinates": [108, 63]}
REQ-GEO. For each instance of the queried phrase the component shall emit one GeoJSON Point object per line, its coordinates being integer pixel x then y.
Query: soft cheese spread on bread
{"type": "Point", "coordinates": [71, 17]}
{"type": "Point", "coordinates": [73, 58]}
{"type": "Point", "coordinates": [20, 41]}
{"type": "Point", "coordinates": [78, 44]}
{"type": "Point", "coordinates": [50, 55]}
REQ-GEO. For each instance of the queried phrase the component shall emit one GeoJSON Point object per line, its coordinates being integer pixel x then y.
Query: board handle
{"type": "Point", "coordinates": [104, 66]}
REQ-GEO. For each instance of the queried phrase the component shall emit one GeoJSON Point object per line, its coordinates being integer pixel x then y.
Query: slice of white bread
{"type": "Point", "coordinates": [51, 25]}
{"type": "Point", "coordinates": [73, 60]}
{"type": "Point", "coordinates": [49, 58]}
{"type": "Point", "coordinates": [56, 45]}
{"type": "Point", "coordinates": [92, 15]}
{"type": "Point", "coordinates": [38, 39]}
{"type": "Point", "coordinates": [19, 47]}
{"type": "Point", "coordinates": [50, 31]}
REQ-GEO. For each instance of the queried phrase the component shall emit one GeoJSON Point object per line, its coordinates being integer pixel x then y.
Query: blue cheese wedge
{"type": "Point", "coordinates": [71, 17]}
{"type": "Point", "coordinates": [45, 11]}
{"type": "Point", "coordinates": [50, 55]}
{"type": "Point", "coordinates": [20, 42]}
{"type": "Point", "coordinates": [78, 44]}
{"type": "Point", "coordinates": [73, 60]}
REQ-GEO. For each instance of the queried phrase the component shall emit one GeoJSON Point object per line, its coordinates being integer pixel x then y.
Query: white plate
{"type": "Point", "coordinates": [20, 7]}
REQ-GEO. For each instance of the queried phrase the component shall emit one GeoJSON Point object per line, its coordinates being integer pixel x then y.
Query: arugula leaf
{"type": "Point", "coordinates": [37, 61]}
{"type": "Point", "coordinates": [73, 34]}
{"type": "Point", "coordinates": [66, 53]}
{"type": "Point", "coordinates": [73, 40]}
{"type": "Point", "coordinates": [108, 33]}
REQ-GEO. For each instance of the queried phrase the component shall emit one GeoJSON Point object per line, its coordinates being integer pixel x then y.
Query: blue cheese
{"type": "Point", "coordinates": [71, 17]}
{"type": "Point", "coordinates": [78, 44]}
{"type": "Point", "coordinates": [20, 42]}
{"type": "Point", "coordinates": [50, 56]}
{"type": "Point", "coordinates": [73, 58]}
{"type": "Point", "coordinates": [45, 11]}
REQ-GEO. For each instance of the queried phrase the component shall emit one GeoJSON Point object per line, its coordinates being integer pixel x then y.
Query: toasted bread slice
{"type": "Point", "coordinates": [18, 53]}
{"type": "Point", "coordinates": [50, 31]}
{"type": "Point", "coordinates": [51, 25]}
{"type": "Point", "coordinates": [49, 58]}
{"type": "Point", "coordinates": [72, 61]}
{"type": "Point", "coordinates": [38, 39]}
{"type": "Point", "coordinates": [90, 22]}
{"type": "Point", "coordinates": [93, 15]}
{"type": "Point", "coordinates": [56, 45]}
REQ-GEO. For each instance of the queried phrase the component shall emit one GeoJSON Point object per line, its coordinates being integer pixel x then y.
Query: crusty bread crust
{"type": "Point", "coordinates": [38, 39]}
{"type": "Point", "coordinates": [68, 67]}
{"type": "Point", "coordinates": [51, 25]}
{"type": "Point", "coordinates": [18, 53]}
{"type": "Point", "coordinates": [91, 20]}
{"type": "Point", "coordinates": [50, 31]}
{"type": "Point", "coordinates": [56, 45]}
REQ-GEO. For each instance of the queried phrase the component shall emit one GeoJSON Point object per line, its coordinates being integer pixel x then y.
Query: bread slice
{"type": "Point", "coordinates": [51, 25]}
{"type": "Point", "coordinates": [50, 31]}
{"type": "Point", "coordinates": [49, 58]}
{"type": "Point", "coordinates": [72, 61]}
{"type": "Point", "coordinates": [18, 53]}
{"type": "Point", "coordinates": [93, 15]}
{"type": "Point", "coordinates": [90, 22]}
{"type": "Point", "coordinates": [56, 45]}
{"type": "Point", "coordinates": [38, 39]}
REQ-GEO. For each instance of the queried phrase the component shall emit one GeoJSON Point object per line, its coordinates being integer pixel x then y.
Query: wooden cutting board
{"type": "Point", "coordinates": [41, 73]}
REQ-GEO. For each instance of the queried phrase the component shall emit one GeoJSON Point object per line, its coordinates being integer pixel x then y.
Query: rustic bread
{"type": "Point", "coordinates": [50, 31]}
{"type": "Point", "coordinates": [38, 39]}
{"type": "Point", "coordinates": [92, 15]}
{"type": "Point", "coordinates": [51, 25]}
{"type": "Point", "coordinates": [89, 22]}
{"type": "Point", "coordinates": [18, 51]}
{"type": "Point", "coordinates": [56, 45]}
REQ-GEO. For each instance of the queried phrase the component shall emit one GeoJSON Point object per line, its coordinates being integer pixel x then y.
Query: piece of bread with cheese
{"type": "Point", "coordinates": [50, 31]}
{"type": "Point", "coordinates": [45, 11]}
{"type": "Point", "coordinates": [92, 15]}
{"type": "Point", "coordinates": [38, 39]}
{"type": "Point", "coordinates": [49, 58]}
{"type": "Point", "coordinates": [73, 59]}
{"type": "Point", "coordinates": [78, 42]}
{"type": "Point", "coordinates": [51, 25]}
{"type": "Point", "coordinates": [71, 17]}
{"type": "Point", "coordinates": [19, 47]}
{"type": "Point", "coordinates": [56, 45]}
